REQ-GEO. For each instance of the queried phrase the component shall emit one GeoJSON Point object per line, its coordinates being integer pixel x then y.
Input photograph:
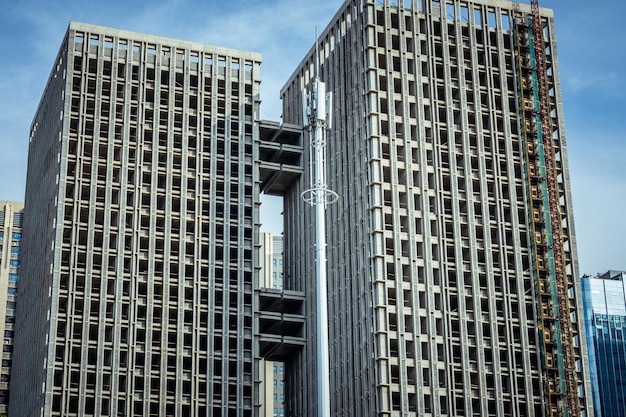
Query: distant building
{"type": "Point", "coordinates": [11, 218]}
{"type": "Point", "coordinates": [604, 301]}
{"type": "Point", "coordinates": [272, 263]}
{"type": "Point", "coordinates": [272, 371]}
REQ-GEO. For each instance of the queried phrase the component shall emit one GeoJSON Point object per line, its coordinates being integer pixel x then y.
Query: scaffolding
{"type": "Point", "coordinates": [550, 280]}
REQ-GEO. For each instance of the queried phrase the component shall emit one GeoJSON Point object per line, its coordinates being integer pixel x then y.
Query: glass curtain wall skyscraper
{"type": "Point", "coordinates": [604, 300]}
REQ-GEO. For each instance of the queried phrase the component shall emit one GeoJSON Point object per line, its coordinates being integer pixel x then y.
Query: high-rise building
{"type": "Point", "coordinates": [143, 202]}
{"type": "Point", "coordinates": [604, 301]}
{"type": "Point", "coordinates": [11, 221]}
{"type": "Point", "coordinates": [452, 268]}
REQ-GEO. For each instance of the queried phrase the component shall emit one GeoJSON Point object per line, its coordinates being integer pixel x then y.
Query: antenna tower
{"type": "Point", "coordinates": [317, 121]}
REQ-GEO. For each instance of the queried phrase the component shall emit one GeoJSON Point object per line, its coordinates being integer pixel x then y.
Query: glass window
{"type": "Point", "coordinates": [11, 305]}
{"type": "Point", "coordinates": [12, 291]}
{"type": "Point", "coordinates": [15, 263]}
{"type": "Point", "coordinates": [14, 277]}
{"type": "Point", "coordinates": [15, 249]}
{"type": "Point", "coordinates": [17, 236]}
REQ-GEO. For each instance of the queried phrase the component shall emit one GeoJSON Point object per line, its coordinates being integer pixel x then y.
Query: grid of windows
{"type": "Point", "coordinates": [153, 307]}
{"type": "Point", "coordinates": [430, 286]}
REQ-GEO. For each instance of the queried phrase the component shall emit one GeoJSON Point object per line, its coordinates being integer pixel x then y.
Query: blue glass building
{"type": "Point", "coordinates": [604, 301]}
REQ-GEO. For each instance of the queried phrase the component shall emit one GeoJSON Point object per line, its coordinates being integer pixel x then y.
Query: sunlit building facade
{"type": "Point", "coordinates": [11, 223]}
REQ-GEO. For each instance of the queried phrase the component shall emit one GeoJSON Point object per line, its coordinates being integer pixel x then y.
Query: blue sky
{"type": "Point", "coordinates": [592, 60]}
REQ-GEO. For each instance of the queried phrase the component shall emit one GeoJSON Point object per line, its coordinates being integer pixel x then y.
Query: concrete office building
{"type": "Point", "coordinates": [138, 297]}
{"type": "Point", "coordinates": [11, 222]}
{"type": "Point", "coordinates": [604, 301]}
{"type": "Point", "coordinates": [449, 290]}
{"type": "Point", "coordinates": [452, 258]}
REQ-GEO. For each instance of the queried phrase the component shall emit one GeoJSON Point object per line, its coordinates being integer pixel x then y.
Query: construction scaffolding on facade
{"type": "Point", "coordinates": [555, 314]}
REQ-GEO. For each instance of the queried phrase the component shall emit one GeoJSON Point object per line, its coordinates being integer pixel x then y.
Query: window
{"type": "Point", "coordinates": [12, 291]}
{"type": "Point", "coordinates": [17, 236]}
{"type": "Point", "coordinates": [15, 263]}
{"type": "Point", "coordinates": [15, 249]}
{"type": "Point", "coordinates": [14, 277]}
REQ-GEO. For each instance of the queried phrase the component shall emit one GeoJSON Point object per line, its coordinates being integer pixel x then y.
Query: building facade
{"type": "Point", "coordinates": [451, 250]}
{"type": "Point", "coordinates": [604, 301]}
{"type": "Point", "coordinates": [142, 176]}
{"type": "Point", "coordinates": [447, 295]}
{"type": "Point", "coordinates": [11, 222]}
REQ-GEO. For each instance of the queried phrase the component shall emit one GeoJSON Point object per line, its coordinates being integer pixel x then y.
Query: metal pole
{"type": "Point", "coordinates": [316, 112]}
{"type": "Point", "coordinates": [323, 366]}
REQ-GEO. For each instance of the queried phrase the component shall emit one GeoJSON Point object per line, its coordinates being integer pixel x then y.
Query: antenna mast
{"type": "Point", "coordinates": [317, 121]}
